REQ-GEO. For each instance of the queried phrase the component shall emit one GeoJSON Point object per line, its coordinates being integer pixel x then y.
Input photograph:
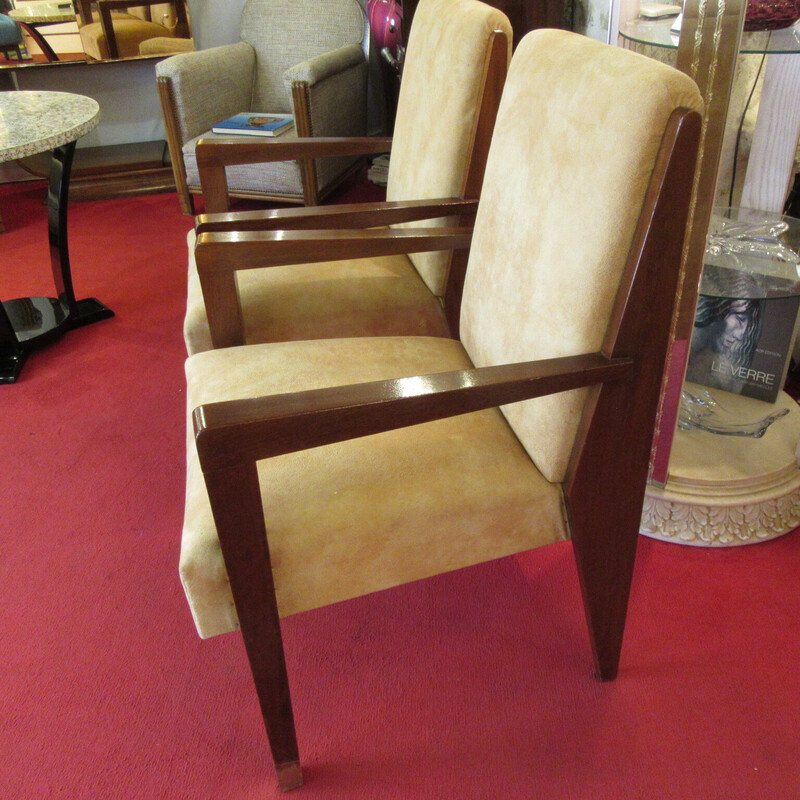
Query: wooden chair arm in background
{"type": "Point", "coordinates": [351, 215]}
{"type": "Point", "coordinates": [220, 255]}
{"type": "Point", "coordinates": [213, 155]}
{"type": "Point", "coordinates": [241, 432]}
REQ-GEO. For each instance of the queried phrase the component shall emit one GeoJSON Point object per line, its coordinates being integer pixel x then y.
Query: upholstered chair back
{"type": "Point", "coordinates": [543, 270]}
{"type": "Point", "coordinates": [284, 33]}
{"type": "Point", "coordinates": [437, 106]}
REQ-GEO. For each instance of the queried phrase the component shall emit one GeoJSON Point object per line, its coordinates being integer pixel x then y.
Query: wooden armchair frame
{"type": "Point", "coordinates": [105, 7]}
{"type": "Point", "coordinates": [220, 252]}
{"type": "Point", "coordinates": [607, 473]}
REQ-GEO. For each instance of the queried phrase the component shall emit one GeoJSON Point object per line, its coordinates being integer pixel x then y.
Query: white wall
{"type": "Point", "coordinates": [126, 91]}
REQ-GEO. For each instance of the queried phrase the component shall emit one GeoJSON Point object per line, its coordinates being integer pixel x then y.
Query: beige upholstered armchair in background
{"type": "Point", "coordinates": [119, 28]}
{"type": "Point", "coordinates": [295, 57]}
{"type": "Point", "coordinates": [326, 469]}
{"type": "Point", "coordinates": [456, 63]}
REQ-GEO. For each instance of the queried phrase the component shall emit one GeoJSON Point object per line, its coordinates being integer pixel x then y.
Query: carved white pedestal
{"type": "Point", "coordinates": [728, 490]}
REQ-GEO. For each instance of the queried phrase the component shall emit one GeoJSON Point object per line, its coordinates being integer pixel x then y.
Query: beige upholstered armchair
{"type": "Point", "coordinates": [293, 57]}
{"type": "Point", "coordinates": [455, 66]}
{"type": "Point", "coordinates": [326, 469]}
{"type": "Point", "coordinates": [119, 28]}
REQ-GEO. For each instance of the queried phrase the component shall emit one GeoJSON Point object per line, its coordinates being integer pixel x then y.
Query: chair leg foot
{"type": "Point", "coordinates": [290, 775]}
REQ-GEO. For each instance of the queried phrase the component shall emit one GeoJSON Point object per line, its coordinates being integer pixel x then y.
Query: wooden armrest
{"type": "Point", "coordinates": [213, 155]}
{"type": "Point", "coordinates": [239, 432]}
{"type": "Point", "coordinates": [228, 252]}
{"type": "Point", "coordinates": [219, 256]}
{"type": "Point", "coordinates": [232, 150]}
{"type": "Point", "coordinates": [350, 215]}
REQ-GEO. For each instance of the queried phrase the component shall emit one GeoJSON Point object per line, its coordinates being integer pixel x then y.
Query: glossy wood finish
{"type": "Point", "coordinates": [609, 467]}
{"type": "Point", "coordinates": [213, 155]}
{"type": "Point", "coordinates": [30, 322]}
{"type": "Point", "coordinates": [607, 473]}
{"type": "Point", "coordinates": [172, 129]}
{"type": "Point", "coordinates": [220, 255]}
{"type": "Point", "coordinates": [301, 102]}
{"type": "Point", "coordinates": [239, 431]}
{"type": "Point", "coordinates": [345, 215]}
{"type": "Point", "coordinates": [233, 494]}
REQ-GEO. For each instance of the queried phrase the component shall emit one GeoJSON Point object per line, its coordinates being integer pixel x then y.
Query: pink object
{"type": "Point", "coordinates": [386, 23]}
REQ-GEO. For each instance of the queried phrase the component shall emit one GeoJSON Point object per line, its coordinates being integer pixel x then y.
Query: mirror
{"type": "Point", "coordinates": [90, 30]}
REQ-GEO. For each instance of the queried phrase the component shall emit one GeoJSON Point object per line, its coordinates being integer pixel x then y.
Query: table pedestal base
{"type": "Point", "coordinates": [29, 322]}
{"type": "Point", "coordinates": [729, 490]}
{"type": "Point", "coordinates": [35, 321]}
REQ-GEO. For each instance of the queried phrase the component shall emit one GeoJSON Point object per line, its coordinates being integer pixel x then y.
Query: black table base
{"type": "Point", "coordinates": [30, 322]}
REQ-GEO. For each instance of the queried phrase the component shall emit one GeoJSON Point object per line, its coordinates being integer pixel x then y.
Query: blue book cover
{"type": "Point", "coordinates": [255, 124]}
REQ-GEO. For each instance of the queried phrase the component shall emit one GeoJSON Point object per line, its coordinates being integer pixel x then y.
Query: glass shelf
{"type": "Point", "coordinates": [658, 34]}
{"type": "Point", "coordinates": [751, 254]}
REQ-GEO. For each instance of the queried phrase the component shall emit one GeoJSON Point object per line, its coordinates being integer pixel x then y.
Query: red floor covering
{"type": "Point", "coordinates": [476, 684]}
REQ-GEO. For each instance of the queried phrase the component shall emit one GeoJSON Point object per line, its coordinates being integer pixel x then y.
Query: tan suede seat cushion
{"type": "Point", "coordinates": [356, 517]}
{"type": "Point", "coordinates": [130, 32]}
{"type": "Point", "coordinates": [365, 297]}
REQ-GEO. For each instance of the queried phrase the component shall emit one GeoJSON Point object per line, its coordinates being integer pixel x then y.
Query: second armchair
{"type": "Point", "coordinates": [289, 60]}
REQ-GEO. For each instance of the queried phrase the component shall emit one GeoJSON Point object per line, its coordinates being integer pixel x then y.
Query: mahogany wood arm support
{"type": "Point", "coordinates": [220, 255]}
{"type": "Point", "coordinates": [350, 215]}
{"type": "Point", "coordinates": [213, 155]}
{"type": "Point", "coordinates": [239, 432]}
{"type": "Point", "coordinates": [231, 251]}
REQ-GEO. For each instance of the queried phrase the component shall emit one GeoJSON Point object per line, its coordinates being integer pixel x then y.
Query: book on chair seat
{"type": "Point", "coordinates": [255, 124]}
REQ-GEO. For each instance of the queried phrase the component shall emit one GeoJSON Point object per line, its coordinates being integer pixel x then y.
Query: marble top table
{"type": "Point", "coordinates": [43, 13]}
{"type": "Point", "coordinates": [34, 122]}
{"type": "Point", "coordinates": [33, 15]}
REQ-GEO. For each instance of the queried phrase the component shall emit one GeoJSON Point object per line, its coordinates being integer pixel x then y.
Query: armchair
{"type": "Point", "coordinates": [119, 27]}
{"type": "Point", "coordinates": [323, 470]}
{"type": "Point", "coordinates": [455, 67]}
{"type": "Point", "coordinates": [285, 62]}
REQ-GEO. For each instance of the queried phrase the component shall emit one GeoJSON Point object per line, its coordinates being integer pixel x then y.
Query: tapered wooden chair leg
{"type": "Point", "coordinates": [236, 499]}
{"type": "Point", "coordinates": [605, 555]}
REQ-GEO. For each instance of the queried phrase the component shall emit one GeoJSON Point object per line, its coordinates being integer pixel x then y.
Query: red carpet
{"type": "Point", "coordinates": [472, 685]}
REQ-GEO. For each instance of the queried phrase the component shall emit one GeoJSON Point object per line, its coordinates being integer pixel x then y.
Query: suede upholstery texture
{"type": "Point", "coordinates": [359, 516]}
{"type": "Point", "coordinates": [383, 296]}
{"type": "Point", "coordinates": [583, 160]}
{"type": "Point", "coordinates": [436, 109]}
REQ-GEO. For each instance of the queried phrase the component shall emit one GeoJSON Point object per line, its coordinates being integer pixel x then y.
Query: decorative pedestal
{"type": "Point", "coordinates": [729, 490]}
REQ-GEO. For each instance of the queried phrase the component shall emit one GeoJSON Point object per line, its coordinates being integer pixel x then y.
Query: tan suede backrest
{"type": "Point", "coordinates": [439, 98]}
{"type": "Point", "coordinates": [286, 32]}
{"type": "Point", "coordinates": [577, 134]}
